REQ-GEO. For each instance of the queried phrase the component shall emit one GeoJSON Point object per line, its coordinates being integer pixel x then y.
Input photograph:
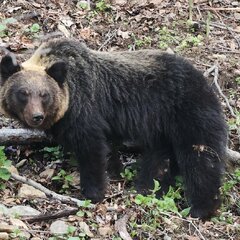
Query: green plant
{"type": "Point", "coordinates": [230, 183]}
{"type": "Point", "coordinates": [128, 174]}
{"type": "Point", "coordinates": [55, 153]}
{"type": "Point", "coordinates": [166, 38]}
{"type": "Point", "coordinates": [18, 234]}
{"type": "Point", "coordinates": [237, 79]}
{"type": "Point", "coordinates": [33, 30]}
{"type": "Point", "coordinates": [142, 42]}
{"type": "Point", "coordinates": [166, 204]}
{"type": "Point", "coordinates": [4, 164]}
{"type": "Point", "coordinates": [4, 27]}
{"type": "Point", "coordinates": [102, 6]}
{"type": "Point", "coordinates": [65, 179]}
{"type": "Point", "coordinates": [234, 123]}
{"type": "Point", "coordinates": [82, 5]}
{"type": "Point", "coordinates": [154, 210]}
{"type": "Point", "coordinates": [84, 212]}
{"type": "Point", "coordinates": [190, 41]}
{"type": "Point", "coordinates": [71, 234]}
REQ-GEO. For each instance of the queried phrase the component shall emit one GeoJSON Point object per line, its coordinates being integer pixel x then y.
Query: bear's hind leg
{"type": "Point", "coordinates": [201, 169]}
{"type": "Point", "coordinates": [156, 165]}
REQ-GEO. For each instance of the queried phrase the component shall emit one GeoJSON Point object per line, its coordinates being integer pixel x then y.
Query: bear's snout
{"type": "Point", "coordinates": [33, 114]}
{"type": "Point", "coordinates": [38, 118]}
{"type": "Point", "coordinates": [34, 119]}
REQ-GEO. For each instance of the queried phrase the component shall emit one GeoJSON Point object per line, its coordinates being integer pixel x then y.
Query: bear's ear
{"type": "Point", "coordinates": [58, 71]}
{"type": "Point", "coordinates": [8, 67]}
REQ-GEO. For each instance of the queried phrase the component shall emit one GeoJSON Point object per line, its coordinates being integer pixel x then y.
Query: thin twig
{"type": "Point", "coordinates": [185, 220]}
{"type": "Point", "coordinates": [218, 25]}
{"type": "Point", "coordinates": [121, 227]}
{"type": "Point", "coordinates": [48, 192]}
{"type": "Point", "coordinates": [110, 37]}
{"type": "Point", "coordinates": [236, 9]}
{"type": "Point", "coordinates": [208, 71]}
{"type": "Point", "coordinates": [50, 216]}
{"type": "Point", "coordinates": [215, 79]}
{"type": "Point", "coordinates": [225, 52]}
{"type": "Point", "coordinates": [89, 4]}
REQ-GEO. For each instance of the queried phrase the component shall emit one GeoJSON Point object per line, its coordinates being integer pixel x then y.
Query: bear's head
{"type": "Point", "coordinates": [37, 96]}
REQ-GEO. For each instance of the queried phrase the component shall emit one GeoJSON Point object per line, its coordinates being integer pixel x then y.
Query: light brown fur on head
{"type": "Point", "coordinates": [35, 83]}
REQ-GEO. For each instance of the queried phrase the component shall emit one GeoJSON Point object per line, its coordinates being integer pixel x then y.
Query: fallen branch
{"type": "Point", "coordinates": [215, 79]}
{"type": "Point", "coordinates": [236, 9]}
{"type": "Point", "coordinates": [218, 25]}
{"type": "Point", "coordinates": [52, 194]}
{"type": "Point", "coordinates": [216, 71]}
{"type": "Point", "coordinates": [19, 136]}
{"type": "Point", "coordinates": [49, 193]}
{"type": "Point", "coordinates": [121, 227]}
{"type": "Point", "coordinates": [50, 216]}
{"type": "Point", "coordinates": [232, 158]}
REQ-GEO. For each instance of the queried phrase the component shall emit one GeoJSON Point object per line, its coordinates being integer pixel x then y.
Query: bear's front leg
{"type": "Point", "coordinates": [92, 158]}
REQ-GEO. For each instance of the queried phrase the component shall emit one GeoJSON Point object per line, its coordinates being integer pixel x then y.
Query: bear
{"type": "Point", "coordinates": [90, 100]}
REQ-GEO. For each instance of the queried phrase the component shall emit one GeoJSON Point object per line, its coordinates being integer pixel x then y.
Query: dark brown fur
{"type": "Point", "coordinates": [157, 99]}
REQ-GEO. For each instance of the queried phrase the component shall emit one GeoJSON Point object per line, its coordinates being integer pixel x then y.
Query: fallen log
{"type": "Point", "coordinates": [25, 136]}
{"type": "Point", "coordinates": [20, 136]}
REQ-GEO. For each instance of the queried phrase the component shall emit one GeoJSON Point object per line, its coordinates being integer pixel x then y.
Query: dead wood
{"type": "Point", "coordinates": [19, 136]}
{"type": "Point", "coordinates": [50, 216]}
{"type": "Point", "coordinates": [121, 227]}
{"type": "Point", "coordinates": [49, 193]}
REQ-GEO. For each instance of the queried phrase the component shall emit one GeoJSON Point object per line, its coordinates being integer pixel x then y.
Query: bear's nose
{"type": "Point", "coordinates": [38, 117]}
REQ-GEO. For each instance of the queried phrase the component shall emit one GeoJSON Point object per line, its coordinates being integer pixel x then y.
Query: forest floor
{"type": "Point", "coordinates": [208, 36]}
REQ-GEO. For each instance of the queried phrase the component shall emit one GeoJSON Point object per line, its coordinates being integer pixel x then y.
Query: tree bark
{"type": "Point", "coordinates": [19, 136]}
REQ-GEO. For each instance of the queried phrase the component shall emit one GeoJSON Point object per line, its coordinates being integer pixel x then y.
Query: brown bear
{"type": "Point", "coordinates": [88, 99]}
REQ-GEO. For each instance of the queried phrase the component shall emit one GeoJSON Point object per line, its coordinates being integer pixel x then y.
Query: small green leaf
{"type": "Point", "coordinates": [7, 163]}
{"type": "Point", "coordinates": [82, 5]}
{"type": "Point", "coordinates": [2, 27]}
{"type": "Point", "coordinates": [139, 199]}
{"type": "Point", "coordinates": [56, 178]}
{"type": "Point", "coordinates": [69, 178]}
{"type": "Point", "coordinates": [35, 28]}
{"type": "Point", "coordinates": [156, 186]}
{"type": "Point", "coordinates": [85, 203]}
{"type": "Point", "coordinates": [62, 173]}
{"type": "Point", "coordinates": [4, 174]}
{"type": "Point", "coordinates": [185, 212]}
{"type": "Point", "coordinates": [73, 238]}
{"type": "Point", "coordinates": [80, 213]}
{"type": "Point", "coordinates": [2, 186]}
{"type": "Point", "coordinates": [71, 229]}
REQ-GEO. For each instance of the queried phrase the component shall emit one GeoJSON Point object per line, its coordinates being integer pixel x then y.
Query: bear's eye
{"type": "Point", "coordinates": [23, 94]}
{"type": "Point", "coordinates": [44, 96]}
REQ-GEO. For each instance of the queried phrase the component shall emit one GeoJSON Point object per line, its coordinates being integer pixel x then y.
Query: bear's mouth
{"type": "Point", "coordinates": [32, 122]}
